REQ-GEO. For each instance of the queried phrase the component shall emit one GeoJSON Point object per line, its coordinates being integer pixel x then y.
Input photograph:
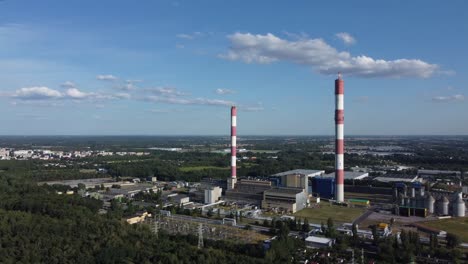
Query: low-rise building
{"type": "Point", "coordinates": [396, 178]}
{"type": "Point", "coordinates": [318, 242]}
{"type": "Point", "coordinates": [212, 194]}
{"type": "Point", "coordinates": [287, 199]}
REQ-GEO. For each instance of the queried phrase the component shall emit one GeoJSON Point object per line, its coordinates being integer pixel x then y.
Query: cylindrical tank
{"type": "Point", "coordinates": [421, 191]}
{"type": "Point", "coordinates": [443, 206]}
{"type": "Point", "coordinates": [407, 201]}
{"type": "Point", "coordinates": [429, 203]}
{"type": "Point", "coordinates": [413, 192]}
{"type": "Point", "coordinates": [459, 206]}
{"type": "Point", "coordinates": [402, 200]}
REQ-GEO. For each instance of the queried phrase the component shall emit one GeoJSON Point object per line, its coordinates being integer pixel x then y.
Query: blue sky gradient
{"type": "Point", "coordinates": [175, 67]}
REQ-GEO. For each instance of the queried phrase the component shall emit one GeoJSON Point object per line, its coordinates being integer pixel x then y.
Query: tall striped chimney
{"type": "Point", "coordinates": [232, 181]}
{"type": "Point", "coordinates": [339, 143]}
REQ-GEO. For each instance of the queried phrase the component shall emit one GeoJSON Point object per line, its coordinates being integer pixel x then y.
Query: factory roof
{"type": "Point", "coordinates": [396, 178]}
{"type": "Point", "coordinates": [437, 172]}
{"type": "Point", "coordinates": [319, 240]}
{"type": "Point", "coordinates": [285, 190]}
{"type": "Point", "coordinates": [311, 173]}
{"type": "Point", "coordinates": [349, 175]}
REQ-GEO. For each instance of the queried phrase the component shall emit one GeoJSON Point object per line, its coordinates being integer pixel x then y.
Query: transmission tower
{"type": "Point", "coordinates": [200, 236]}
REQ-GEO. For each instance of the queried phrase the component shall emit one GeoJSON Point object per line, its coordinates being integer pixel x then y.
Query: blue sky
{"type": "Point", "coordinates": [175, 67]}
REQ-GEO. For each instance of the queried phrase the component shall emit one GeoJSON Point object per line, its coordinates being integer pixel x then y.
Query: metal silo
{"type": "Point", "coordinates": [429, 203]}
{"type": "Point", "coordinates": [459, 206]}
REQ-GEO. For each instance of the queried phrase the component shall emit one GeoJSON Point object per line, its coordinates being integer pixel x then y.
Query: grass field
{"type": "Point", "coordinates": [198, 168]}
{"type": "Point", "coordinates": [458, 226]}
{"type": "Point", "coordinates": [339, 214]}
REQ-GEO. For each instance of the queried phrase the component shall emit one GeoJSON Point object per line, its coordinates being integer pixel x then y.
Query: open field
{"type": "Point", "coordinates": [457, 225]}
{"type": "Point", "coordinates": [323, 211]}
{"type": "Point", "coordinates": [199, 168]}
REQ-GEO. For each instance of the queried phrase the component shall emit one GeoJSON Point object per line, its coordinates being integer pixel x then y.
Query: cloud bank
{"type": "Point", "coordinates": [322, 57]}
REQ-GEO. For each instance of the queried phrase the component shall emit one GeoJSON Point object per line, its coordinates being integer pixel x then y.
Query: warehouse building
{"type": "Point", "coordinates": [285, 199]}
{"type": "Point", "coordinates": [396, 178]}
{"type": "Point", "coordinates": [319, 242]}
{"type": "Point", "coordinates": [299, 178]}
{"type": "Point", "coordinates": [250, 190]}
{"type": "Point", "coordinates": [212, 194]}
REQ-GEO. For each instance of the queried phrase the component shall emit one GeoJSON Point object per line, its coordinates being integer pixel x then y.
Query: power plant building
{"type": "Point", "coordinates": [298, 178]}
{"type": "Point", "coordinates": [212, 195]}
{"type": "Point", "coordinates": [287, 199]}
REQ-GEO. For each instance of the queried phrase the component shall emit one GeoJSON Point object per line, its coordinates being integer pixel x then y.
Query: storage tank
{"type": "Point", "coordinates": [407, 201]}
{"type": "Point", "coordinates": [459, 206]}
{"type": "Point", "coordinates": [402, 199]}
{"type": "Point", "coordinates": [413, 192]}
{"type": "Point", "coordinates": [421, 191]}
{"type": "Point", "coordinates": [442, 206]}
{"type": "Point", "coordinates": [429, 203]}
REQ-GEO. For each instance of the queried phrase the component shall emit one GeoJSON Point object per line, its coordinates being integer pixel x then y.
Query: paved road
{"type": "Point", "coordinates": [362, 217]}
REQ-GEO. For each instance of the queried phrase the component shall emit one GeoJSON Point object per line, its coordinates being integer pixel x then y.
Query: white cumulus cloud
{"type": "Point", "coordinates": [36, 93]}
{"type": "Point", "coordinates": [76, 94]}
{"type": "Point", "coordinates": [346, 38]}
{"type": "Point", "coordinates": [322, 57]}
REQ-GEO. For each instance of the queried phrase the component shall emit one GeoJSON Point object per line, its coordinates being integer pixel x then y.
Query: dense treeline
{"type": "Point", "coordinates": [39, 226]}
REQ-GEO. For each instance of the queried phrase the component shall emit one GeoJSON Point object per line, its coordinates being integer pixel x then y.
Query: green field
{"type": "Point", "coordinates": [339, 214]}
{"type": "Point", "coordinates": [458, 226]}
{"type": "Point", "coordinates": [199, 168]}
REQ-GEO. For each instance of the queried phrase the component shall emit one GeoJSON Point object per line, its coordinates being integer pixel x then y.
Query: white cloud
{"type": "Point", "coordinates": [346, 38]}
{"type": "Point", "coordinates": [190, 36]}
{"type": "Point", "coordinates": [122, 96]}
{"type": "Point", "coordinates": [452, 98]}
{"type": "Point", "coordinates": [76, 94]}
{"type": "Point", "coordinates": [68, 84]}
{"type": "Point", "coordinates": [180, 46]}
{"type": "Point", "coordinates": [224, 91]}
{"type": "Point", "coordinates": [166, 91]}
{"type": "Point", "coordinates": [322, 57]}
{"type": "Point", "coordinates": [107, 77]}
{"type": "Point", "coordinates": [37, 93]}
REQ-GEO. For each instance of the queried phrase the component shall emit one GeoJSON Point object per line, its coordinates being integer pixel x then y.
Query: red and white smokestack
{"type": "Point", "coordinates": [339, 144]}
{"type": "Point", "coordinates": [232, 181]}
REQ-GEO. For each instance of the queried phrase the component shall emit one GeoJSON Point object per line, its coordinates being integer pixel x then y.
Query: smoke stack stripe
{"type": "Point", "coordinates": [233, 141]}
{"type": "Point", "coordinates": [339, 143]}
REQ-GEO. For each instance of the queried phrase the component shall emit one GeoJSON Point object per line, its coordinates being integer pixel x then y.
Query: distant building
{"type": "Point", "coordinates": [288, 199]}
{"type": "Point", "coordinates": [4, 153]}
{"type": "Point", "coordinates": [319, 242]}
{"type": "Point", "coordinates": [249, 190]}
{"type": "Point", "coordinates": [433, 173]}
{"type": "Point", "coordinates": [350, 175]}
{"type": "Point", "coordinates": [212, 194]}
{"type": "Point", "coordinates": [298, 178]}
{"type": "Point", "coordinates": [396, 178]}
{"type": "Point", "coordinates": [181, 199]}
